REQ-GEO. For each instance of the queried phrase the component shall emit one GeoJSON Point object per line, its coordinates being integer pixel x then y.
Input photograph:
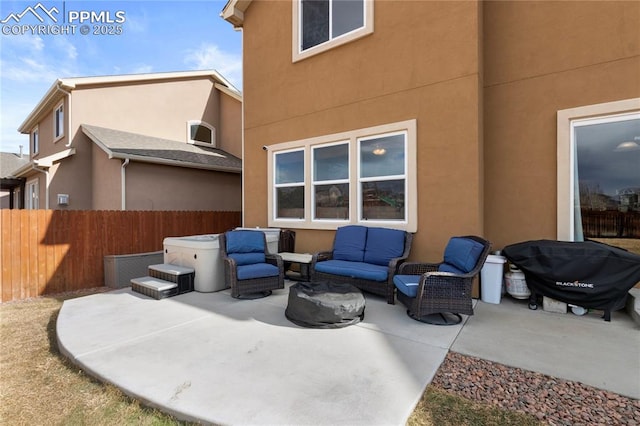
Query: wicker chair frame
{"type": "Point", "coordinates": [444, 294]}
{"type": "Point", "coordinates": [255, 287]}
{"type": "Point", "coordinates": [381, 288]}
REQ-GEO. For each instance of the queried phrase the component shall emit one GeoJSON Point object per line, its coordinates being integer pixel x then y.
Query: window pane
{"type": "Point", "coordinates": [331, 162]}
{"type": "Point", "coordinates": [608, 176]}
{"type": "Point", "coordinates": [315, 22]}
{"type": "Point", "coordinates": [383, 200]}
{"type": "Point", "coordinates": [290, 202]}
{"type": "Point", "coordinates": [59, 121]}
{"type": "Point", "coordinates": [200, 133]}
{"type": "Point", "coordinates": [347, 15]}
{"type": "Point", "coordinates": [332, 201]}
{"type": "Point", "coordinates": [382, 156]}
{"type": "Point", "coordinates": [290, 167]}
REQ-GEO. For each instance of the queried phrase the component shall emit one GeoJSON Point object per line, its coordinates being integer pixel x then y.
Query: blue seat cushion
{"type": "Point", "coordinates": [349, 243]}
{"type": "Point", "coordinates": [247, 258]}
{"type": "Point", "coordinates": [257, 270]}
{"type": "Point", "coordinates": [245, 242]}
{"type": "Point", "coordinates": [382, 245]}
{"type": "Point", "coordinates": [407, 284]}
{"type": "Point", "coordinates": [445, 267]}
{"type": "Point", "coordinates": [362, 270]}
{"type": "Point", "coordinates": [463, 253]}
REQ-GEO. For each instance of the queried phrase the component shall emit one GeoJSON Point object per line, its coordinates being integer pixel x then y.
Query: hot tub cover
{"type": "Point", "coordinates": [325, 304]}
{"type": "Point", "coordinates": [587, 274]}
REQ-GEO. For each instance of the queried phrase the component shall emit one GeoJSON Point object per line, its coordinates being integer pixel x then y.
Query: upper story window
{"type": "Point", "coordinates": [58, 122]}
{"type": "Point", "coordinates": [201, 133]}
{"type": "Point", "coordinates": [365, 176]}
{"type": "Point", "coordinates": [320, 25]}
{"type": "Point", "coordinates": [35, 141]}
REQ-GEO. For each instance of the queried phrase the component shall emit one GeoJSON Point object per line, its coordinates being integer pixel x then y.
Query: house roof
{"type": "Point", "coordinates": [234, 10]}
{"type": "Point", "coordinates": [10, 163]}
{"type": "Point", "coordinates": [149, 149]}
{"type": "Point", "coordinates": [63, 86]}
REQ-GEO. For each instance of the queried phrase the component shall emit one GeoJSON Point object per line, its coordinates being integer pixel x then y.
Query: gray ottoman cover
{"type": "Point", "coordinates": [324, 304]}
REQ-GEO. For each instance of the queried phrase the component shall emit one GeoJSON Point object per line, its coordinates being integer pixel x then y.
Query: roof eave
{"type": "Point", "coordinates": [53, 95]}
{"type": "Point", "coordinates": [168, 162]}
{"type": "Point", "coordinates": [233, 12]}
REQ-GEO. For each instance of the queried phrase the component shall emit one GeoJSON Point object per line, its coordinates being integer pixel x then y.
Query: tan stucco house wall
{"type": "Point", "coordinates": [152, 106]}
{"type": "Point", "coordinates": [484, 82]}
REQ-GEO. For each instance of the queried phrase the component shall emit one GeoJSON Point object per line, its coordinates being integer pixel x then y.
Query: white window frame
{"type": "Point", "coordinates": [410, 224]}
{"type": "Point", "coordinates": [35, 141]}
{"type": "Point", "coordinates": [314, 183]}
{"type": "Point", "coordinates": [203, 124]}
{"type": "Point", "coordinates": [298, 54]}
{"type": "Point", "coordinates": [32, 188]}
{"type": "Point", "coordinates": [566, 121]}
{"type": "Point", "coordinates": [275, 185]}
{"type": "Point", "coordinates": [58, 122]}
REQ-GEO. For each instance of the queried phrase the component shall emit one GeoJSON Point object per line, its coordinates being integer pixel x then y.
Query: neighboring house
{"type": "Point", "coordinates": [442, 118]}
{"type": "Point", "coordinates": [12, 187]}
{"type": "Point", "coordinates": [162, 141]}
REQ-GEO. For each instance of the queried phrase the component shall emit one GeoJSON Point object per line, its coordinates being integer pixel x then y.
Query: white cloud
{"type": "Point", "coordinates": [209, 56]}
{"type": "Point", "coordinates": [142, 69]}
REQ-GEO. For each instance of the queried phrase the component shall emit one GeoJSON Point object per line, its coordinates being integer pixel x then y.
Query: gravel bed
{"type": "Point", "coordinates": [551, 400]}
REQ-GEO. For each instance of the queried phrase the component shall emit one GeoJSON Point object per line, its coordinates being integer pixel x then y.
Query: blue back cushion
{"type": "Point", "coordinates": [445, 267]}
{"type": "Point", "coordinates": [349, 243]}
{"type": "Point", "coordinates": [462, 253]}
{"type": "Point", "coordinates": [246, 247]}
{"type": "Point", "coordinates": [382, 245]}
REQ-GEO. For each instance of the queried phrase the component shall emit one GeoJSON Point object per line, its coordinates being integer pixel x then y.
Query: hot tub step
{"type": "Point", "coordinates": [154, 287]}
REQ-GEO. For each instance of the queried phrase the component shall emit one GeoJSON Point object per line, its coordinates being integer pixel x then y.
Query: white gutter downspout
{"type": "Point", "coordinates": [46, 184]}
{"type": "Point", "coordinates": [123, 184]}
{"type": "Point", "coordinates": [68, 112]}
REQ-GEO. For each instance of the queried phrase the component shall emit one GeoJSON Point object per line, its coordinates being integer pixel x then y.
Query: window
{"type": "Point", "coordinates": [58, 122]}
{"type": "Point", "coordinates": [365, 176]}
{"type": "Point", "coordinates": [320, 25]}
{"type": "Point", "coordinates": [33, 195]}
{"type": "Point", "coordinates": [383, 177]}
{"type": "Point", "coordinates": [331, 181]}
{"type": "Point", "coordinates": [35, 141]}
{"type": "Point", "coordinates": [599, 173]}
{"type": "Point", "coordinates": [289, 184]}
{"type": "Point", "coordinates": [201, 133]}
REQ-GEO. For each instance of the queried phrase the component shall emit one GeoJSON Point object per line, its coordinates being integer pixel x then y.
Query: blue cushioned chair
{"type": "Point", "coordinates": [437, 293]}
{"type": "Point", "coordinates": [249, 269]}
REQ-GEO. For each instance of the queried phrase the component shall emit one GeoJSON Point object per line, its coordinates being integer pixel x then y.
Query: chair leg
{"type": "Point", "coordinates": [444, 318]}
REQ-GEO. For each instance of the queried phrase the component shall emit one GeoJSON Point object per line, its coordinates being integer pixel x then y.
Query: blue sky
{"type": "Point", "coordinates": [156, 36]}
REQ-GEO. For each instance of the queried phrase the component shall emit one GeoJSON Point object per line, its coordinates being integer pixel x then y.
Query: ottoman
{"type": "Point", "coordinates": [324, 304]}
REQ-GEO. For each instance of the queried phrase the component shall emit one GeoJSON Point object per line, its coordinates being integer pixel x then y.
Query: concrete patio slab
{"type": "Point", "coordinates": [211, 358]}
{"type": "Point", "coordinates": [585, 348]}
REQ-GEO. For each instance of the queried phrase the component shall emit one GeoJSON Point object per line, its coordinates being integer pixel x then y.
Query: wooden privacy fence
{"type": "Point", "coordinates": [54, 251]}
{"type": "Point", "coordinates": [611, 224]}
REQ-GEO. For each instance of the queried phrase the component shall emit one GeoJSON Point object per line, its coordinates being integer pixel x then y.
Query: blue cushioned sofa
{"type": "Point", "coordinates": [366, 257]}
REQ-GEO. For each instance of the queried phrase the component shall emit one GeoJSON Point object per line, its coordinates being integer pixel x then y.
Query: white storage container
{"type": "Point", "coordinates": [491, 279]}
{"type": "Point", "coordinates": [272, 235]}
{"type": "Point", "coordinates": [202, 253]}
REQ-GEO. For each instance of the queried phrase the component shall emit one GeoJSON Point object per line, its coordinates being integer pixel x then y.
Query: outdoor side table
{"type": "Point", "coordinates": [302, 259]}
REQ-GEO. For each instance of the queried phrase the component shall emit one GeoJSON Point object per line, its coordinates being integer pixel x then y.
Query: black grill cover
{"type": "Point", "coordinates": [588, 274]}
